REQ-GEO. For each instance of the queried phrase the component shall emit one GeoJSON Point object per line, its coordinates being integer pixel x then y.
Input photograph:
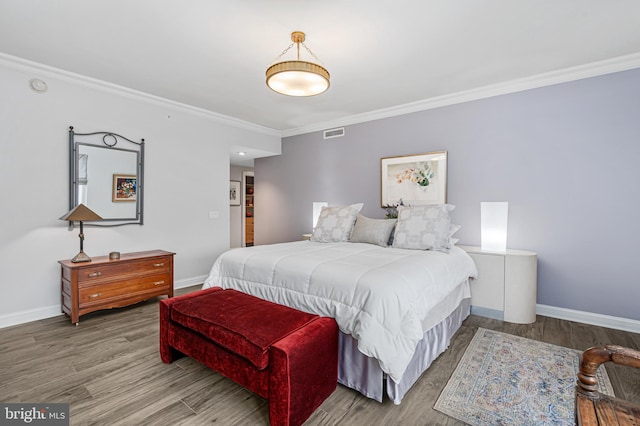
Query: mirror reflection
{"type": "Point", "coordinates": [107, 180]}
{"type": "Point", "coordinates": [106, 176]}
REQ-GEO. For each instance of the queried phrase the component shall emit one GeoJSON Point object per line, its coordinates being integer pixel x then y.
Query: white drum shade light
{"type": "Point", "coordinates": [297, 77]}
{"type": "Point", "coordinates": [493, 226]}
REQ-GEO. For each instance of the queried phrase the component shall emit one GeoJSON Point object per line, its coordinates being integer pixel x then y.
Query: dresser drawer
{"type": "Point", "coordinates": [98, 293]}
{"type": "Point", "coordinates": [116, 270]}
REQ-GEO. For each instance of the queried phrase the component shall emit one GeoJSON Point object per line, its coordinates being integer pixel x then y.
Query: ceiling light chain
{"type": "Point", "coordinates": [284, 52]}
{"type": "Point", "coordinates": [310, 53]}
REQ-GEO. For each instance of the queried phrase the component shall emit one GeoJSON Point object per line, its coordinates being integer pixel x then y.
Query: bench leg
{"type": "Point", "coordinates": [304, 372]}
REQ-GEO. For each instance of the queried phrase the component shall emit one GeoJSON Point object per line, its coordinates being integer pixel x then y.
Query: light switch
{"type": "Point", "coordinates": [214, 214]}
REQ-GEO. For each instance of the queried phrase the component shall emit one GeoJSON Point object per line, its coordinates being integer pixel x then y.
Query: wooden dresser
{"type": "Point", "coordinates": [104, 283]}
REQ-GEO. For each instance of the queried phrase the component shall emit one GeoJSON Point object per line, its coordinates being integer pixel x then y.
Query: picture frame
{"type": "Point", "coordinates": [234, 193]}
{"type": "Point", "coordinates": [413, 180]}
{"type": "Point", "coordinates": [125, 188]}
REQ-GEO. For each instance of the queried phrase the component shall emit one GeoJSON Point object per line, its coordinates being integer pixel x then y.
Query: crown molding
{"type": "Point", "coordinates": [608, 66]}
{"type": "Point", "coordinates": [594, 69]}
{"type": "Point", "coordinates": [27, 66]}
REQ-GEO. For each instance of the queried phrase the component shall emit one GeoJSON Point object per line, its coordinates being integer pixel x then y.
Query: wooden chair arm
{"type": "Point", "coordinates": [591, 359]}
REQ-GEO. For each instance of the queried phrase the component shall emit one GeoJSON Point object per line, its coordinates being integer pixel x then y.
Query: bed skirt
{"type": "Point", "coordinates": [362, 373]}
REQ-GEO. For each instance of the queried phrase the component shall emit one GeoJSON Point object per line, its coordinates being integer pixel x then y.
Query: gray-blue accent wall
{"type": "Point", "coordinates": [566, 157]}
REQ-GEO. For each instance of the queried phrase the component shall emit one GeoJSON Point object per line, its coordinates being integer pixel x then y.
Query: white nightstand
{"type": "Point", "coordinates": [507, 283]}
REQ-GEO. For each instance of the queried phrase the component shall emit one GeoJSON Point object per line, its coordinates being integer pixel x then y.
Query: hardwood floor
{"type": "Point", "coordinates": [109, 370]}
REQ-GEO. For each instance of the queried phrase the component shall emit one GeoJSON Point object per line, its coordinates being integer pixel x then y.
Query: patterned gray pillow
{"type": "Point", "coordinates": [335, 223]}
{"type": "Point", "coordinates": [424, 228]}
{"type": "Point", "coordinates": [372, 231]}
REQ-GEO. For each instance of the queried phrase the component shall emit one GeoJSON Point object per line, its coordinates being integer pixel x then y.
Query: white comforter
{"type": "Point", "coordinates": [378, 295]}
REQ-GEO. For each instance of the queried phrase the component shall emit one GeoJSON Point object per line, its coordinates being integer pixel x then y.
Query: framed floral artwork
{"type": "Point", "coordinates": [125, 188]}
{"type": "Point", "coordinates": [413, 180]}
{"type": "Point", "coordinates": [234, 193]}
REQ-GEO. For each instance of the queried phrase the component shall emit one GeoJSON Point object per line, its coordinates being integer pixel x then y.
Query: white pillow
{"type": "Point", "coordinates": [335, 223]}
{"type": "Point", "coordinates": [372, 231]}
{"type": "Point", "coordinates": [424, 228]}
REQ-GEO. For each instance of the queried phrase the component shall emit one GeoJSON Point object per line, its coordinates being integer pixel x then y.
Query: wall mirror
{"type": "Point", "coordinates": [106, 174]}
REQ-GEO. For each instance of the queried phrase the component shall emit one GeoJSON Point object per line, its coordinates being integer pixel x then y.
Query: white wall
{"type": "Point", "coordinates": [186, 177]}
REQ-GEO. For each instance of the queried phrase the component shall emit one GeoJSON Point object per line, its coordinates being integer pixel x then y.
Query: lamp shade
{"type": "Point", "coordinates": [80, 213]}
{"type": "Point", "coordinates": [297, 78]}
{"type": "Point", "coordinates": [493, 226]}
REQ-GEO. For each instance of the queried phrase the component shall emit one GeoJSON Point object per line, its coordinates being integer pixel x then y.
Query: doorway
{"type": "Point", "coordinates": [248, 193]}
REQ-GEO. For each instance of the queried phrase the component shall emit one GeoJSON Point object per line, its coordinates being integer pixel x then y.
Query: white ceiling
{"type": "Point", "coordinates": [213, 54]}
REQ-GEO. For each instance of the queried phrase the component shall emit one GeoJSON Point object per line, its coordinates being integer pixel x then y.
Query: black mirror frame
{"type": "Point", "coordinates": [110, 140]}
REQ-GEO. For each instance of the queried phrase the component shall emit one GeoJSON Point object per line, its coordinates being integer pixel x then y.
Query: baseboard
{"type": "Point", "coordinates": [601, 320]}
{"type": "Point", "coordinates": [188, 282]}
{"type": "Point", "coordinates": [487, 313]}
{"type": "Point", "coordinates": [22, 317]}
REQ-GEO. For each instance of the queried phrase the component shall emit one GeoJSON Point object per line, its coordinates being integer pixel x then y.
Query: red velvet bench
{"type": "Point", "coordinates": [286, 356]}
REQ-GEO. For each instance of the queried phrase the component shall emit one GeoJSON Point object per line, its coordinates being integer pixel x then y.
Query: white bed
{"type": "Point", "coordinates": [396, 308]}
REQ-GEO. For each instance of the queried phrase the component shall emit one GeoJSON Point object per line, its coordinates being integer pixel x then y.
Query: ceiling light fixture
{"type": "Point", "coordinates": [297, 77]}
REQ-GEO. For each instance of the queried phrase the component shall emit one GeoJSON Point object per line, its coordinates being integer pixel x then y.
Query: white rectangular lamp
{"type": "Point", "coordinates": [493, 226]}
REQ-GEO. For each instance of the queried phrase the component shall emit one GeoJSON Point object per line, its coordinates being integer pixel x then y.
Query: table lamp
{"type": "Point", "coordinates": [493, 226]}
{"type": "Point", "coordinates": [81, 213]}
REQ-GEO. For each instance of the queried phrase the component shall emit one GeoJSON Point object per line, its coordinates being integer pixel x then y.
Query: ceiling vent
{"type": "Point", "coordinates": [334, 133]}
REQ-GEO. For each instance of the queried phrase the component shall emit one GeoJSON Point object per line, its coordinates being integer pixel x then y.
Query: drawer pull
{"type": "Point", "coordinates": [157, 265]}
{"type": "Point", "coordinates": [95, 274]}
{"type": "Point", "coordinates": [93, 296]}
{"type": "Point", "coordinates": [158, 283]}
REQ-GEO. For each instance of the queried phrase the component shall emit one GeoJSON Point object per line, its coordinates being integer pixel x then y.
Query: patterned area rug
{"type": "Point", "coordinates": [509, 380]}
